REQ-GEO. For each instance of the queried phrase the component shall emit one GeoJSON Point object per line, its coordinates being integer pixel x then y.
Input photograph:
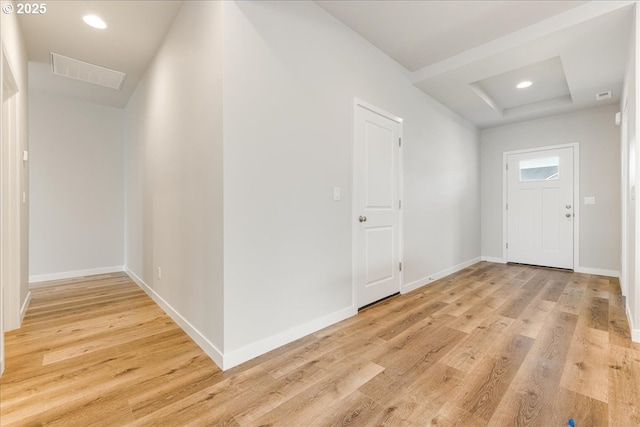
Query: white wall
{"type": "Point", "coordinates": [77, 187]}
{"type": "Point", "coordinates": [599, 140]}
{"type": "Point", "coordinates": [173, 175]}
{"type": "Point", "coordinates": [291, 72]}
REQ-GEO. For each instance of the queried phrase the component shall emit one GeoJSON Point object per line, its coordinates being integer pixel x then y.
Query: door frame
{"type": "Point", "coordinates": [358, 103]}
{"type": "Point", "coordinates": [9, 204]}
{"type": "Point", "coordinates": [576, 196]}
{"type": "Point", "coordinates": [625, 194]}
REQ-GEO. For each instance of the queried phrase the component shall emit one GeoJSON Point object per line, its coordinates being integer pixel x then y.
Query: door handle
{"type": "Point", "coordinates": [362, 218]}
{"type": "Point", "coordinates": [568, 215]}
{"type": "Point", "coordinates": [568, 206]}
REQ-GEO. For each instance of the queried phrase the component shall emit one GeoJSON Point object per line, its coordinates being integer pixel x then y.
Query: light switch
{"type": "Point", "coordinates": [589, 200]}
{"type": "Point", "coordinates": [25, 156]}
{"type": "Point", "coordinates": [337, 193]}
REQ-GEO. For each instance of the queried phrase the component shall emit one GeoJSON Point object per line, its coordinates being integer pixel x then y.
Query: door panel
{"type": "Point", "coordinates": [379, 255]}
{"type": "Point", "coordinates": [551, 220]}
{"type": "Point", "coordinates": [379, 166]}
{"type": "Point", "coordinates": [377, 214]}
{"type": "Point", "coordinates": [525, 216]}
{"type": "Point", "coordinates": [540, 208]}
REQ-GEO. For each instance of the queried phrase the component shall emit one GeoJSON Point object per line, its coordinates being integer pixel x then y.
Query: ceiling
{"type": "Point", "coordinates": [135, 31]}
{"type": "Point", "coordinates": [421, 33]}
{"type": "Point", "coordinates": [468, 55]}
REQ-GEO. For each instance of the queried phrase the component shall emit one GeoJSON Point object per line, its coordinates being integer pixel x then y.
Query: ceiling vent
{"type": "Point", "coordinates": [85, 72]}
{"type": "Point", "coordinates": [603, 95]}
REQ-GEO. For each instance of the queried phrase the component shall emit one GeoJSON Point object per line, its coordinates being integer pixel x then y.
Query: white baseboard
{"type": "Point", "coordinates": [597, 272]}
{"type": "Point", "coordinates": [433, 277]}
{"type": "Point", "coordinates": [207, 346]}
{"type": "Point", "coordinates": [494, 260]}
{"type": "Point", "coordinates": [73, 274]}
{"type": "Point", "coordinates": [635, 333]}
{"type": "Point", "coordinates": [243, 354]}
{"type": "Point", "coordinates": [25, 305]}
{"type": "Point", "coordinates": [236, 357]}
{"type": "Point", "coordinates": [585, 270]}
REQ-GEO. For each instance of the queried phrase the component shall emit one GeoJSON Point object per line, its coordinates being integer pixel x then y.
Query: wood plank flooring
{"type": "Point", "coordinates": [490, 345]}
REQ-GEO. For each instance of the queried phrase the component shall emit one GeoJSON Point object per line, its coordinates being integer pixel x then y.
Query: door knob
{"type": "Point", "coordinates": [568, 206]}
{"type": "Point", "coordinates": [568, 215]}
{"type": "Point", "coordinates": [362, 218]}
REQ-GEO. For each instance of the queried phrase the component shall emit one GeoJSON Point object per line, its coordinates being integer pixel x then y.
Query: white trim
{"type": "Point", "coordinates": [207, 346]}
{"type": "Point", "coordinates": [25, 306]}
{"type": "Point", "coordinates": [493, 259]}
{"type": "Point", "coordinates": [10, 190]}
{"type": "Point", "coordinates": [354, 209]}
{"type": "Point", "coordinates": [241, 355]}
{"type": "Point", "coordinates": [624, 177]}
{"type": "Point", "coordinates": [635, 333]}
{"type": "Point", "coordinates": [439, 275]}
{"type": "Point", "coordinates": [598, 272]}
{"type": "Point", "coordinates": [73, 274]}
{"type": "Point", "coordinates": [373, 108]}
{"type": "Point", "coordinates": [576, 195]}
{"type": "Point", "coordinates": [8, 79]}
{"type": "Point", "coordinates": [505, 189]}
{"type": "Point", "coordinates": [357, 102]}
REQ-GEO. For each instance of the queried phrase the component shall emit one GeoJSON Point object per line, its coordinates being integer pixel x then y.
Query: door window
{"type": "Point", "coordinates": [546, 169]}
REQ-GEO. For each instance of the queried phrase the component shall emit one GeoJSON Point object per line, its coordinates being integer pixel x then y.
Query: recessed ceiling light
{"type": "Point", "coordinates": [94, 21]}
{"type": "Point", "coordinates": [524, 84]}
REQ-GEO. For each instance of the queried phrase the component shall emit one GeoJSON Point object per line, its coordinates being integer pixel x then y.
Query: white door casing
{"type": "Point", "coordinates": [9, 205]}
{"type": "Point", "coordinates": [376, 215]}
{"type": "Point", "coordinates": [624, 159]}
{"type": "Point", "coordinates": [540, 208]}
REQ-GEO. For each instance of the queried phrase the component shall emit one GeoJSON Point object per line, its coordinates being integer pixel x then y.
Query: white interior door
{"type": "Point", "coordinates": [377, 205]}
{"type": "Point", "coordinates": [540, 211]}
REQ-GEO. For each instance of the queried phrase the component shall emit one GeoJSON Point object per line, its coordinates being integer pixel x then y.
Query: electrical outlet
{"type": "Point", "coordinates": [589, 200]}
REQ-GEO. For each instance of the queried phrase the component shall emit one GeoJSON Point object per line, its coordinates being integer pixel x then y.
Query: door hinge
{"type": "Point", "coordinates": [507, 206]}
{"type": "Point", "coordinates": [507, 245]}
{"type": "Point", "coordinates": [399, 141]}
{"type": "Point", "coordinates": [506, 166]}
{"type": "Point", "coordinates": [399, 204]}
{"type": "Point", "coordinates": [400, 266]}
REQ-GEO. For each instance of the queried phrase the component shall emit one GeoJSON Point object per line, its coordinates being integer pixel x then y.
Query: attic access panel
{"type": "Point", "coordinates": [89, 73]}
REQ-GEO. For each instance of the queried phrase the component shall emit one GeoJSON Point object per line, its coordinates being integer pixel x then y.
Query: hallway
{"type": "Point", "coordinates": [489, 345]}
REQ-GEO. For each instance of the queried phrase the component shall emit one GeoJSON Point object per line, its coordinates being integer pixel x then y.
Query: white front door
{"type": "Point", "coordinates": [377, 210]}
{"type": "Point", "coordinates": [540, 211]}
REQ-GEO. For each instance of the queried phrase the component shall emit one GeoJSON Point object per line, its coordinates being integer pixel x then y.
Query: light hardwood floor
{"type": "Point", "coordinates": [491, 345]}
